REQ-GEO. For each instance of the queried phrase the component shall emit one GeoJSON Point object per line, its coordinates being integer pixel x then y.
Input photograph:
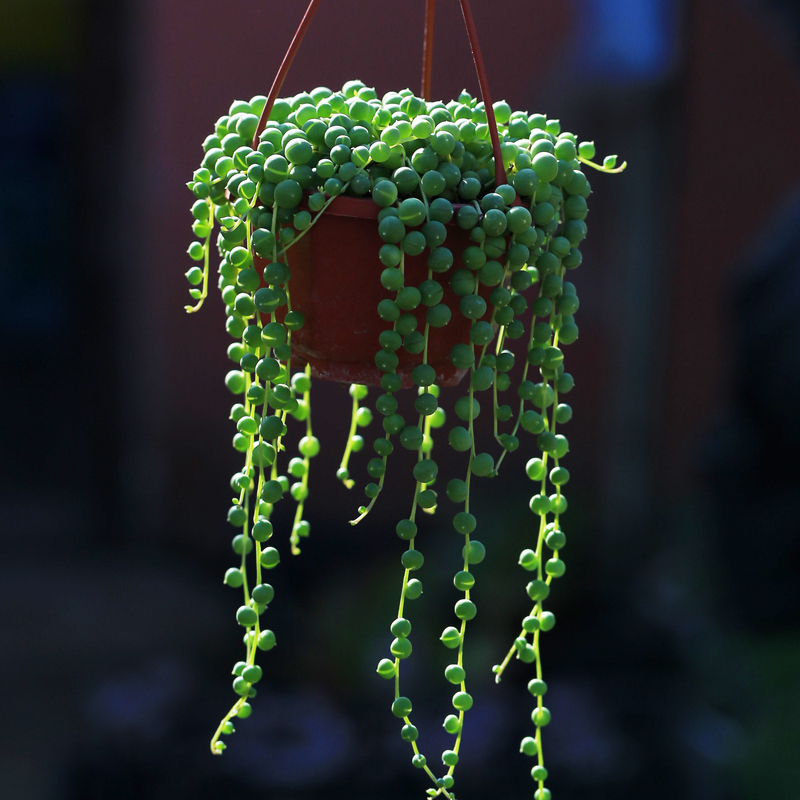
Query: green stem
{"type": "Point", "coordinates": [363, 513]}
{"type": "Point", "coordinates": [348, 482]}
{"type": "Point", "coordinates": [400, 608]}
{"type": "Point", "coordinates": [465, 567]}
{"type": "Point", "coordinates": [601, 168]}
{"type": "Point", "coordinates": [319, 213]}
{"type": "Point", "coordinates": [294, 539]}
{"type": "Point", "coordinates": [216, 746]}
{"type": "Point", "coordinates": [372, 501]}
{"type": "Point", "coordinates": [199, 304]}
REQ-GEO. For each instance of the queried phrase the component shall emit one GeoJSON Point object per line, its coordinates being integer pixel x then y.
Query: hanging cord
{"type": "Point", "coordinates": [284, 69]}
{"type": "Point", "coordinates": [427, 49]}
{"type": "Point", "coordinates": [499, 171]}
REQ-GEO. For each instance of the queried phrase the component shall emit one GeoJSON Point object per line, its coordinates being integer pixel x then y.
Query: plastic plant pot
{"type": "Point", "coordinates": [334, 285]}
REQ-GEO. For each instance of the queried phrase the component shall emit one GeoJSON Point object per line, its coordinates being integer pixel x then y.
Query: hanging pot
{"type": "Point", "coordinates": [335, 270]}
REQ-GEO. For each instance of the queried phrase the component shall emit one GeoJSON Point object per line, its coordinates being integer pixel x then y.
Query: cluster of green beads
{"type": "Point", "coordinates": [427, 165]}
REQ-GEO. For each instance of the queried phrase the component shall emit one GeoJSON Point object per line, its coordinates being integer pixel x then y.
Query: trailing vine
{"type": "Point", "coordinates": [494, 249]}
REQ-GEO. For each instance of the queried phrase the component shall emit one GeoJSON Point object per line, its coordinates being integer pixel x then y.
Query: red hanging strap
{"type": "Point", "coordinates": [427, 49]}
{"type": "Point", "coordinates": [284, 69]}
{"type": "Point", "coordinates": [499, 172]}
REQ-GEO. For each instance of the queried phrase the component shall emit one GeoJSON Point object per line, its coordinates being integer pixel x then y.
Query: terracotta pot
{"type": "Point", "coordinates": [335, 283]}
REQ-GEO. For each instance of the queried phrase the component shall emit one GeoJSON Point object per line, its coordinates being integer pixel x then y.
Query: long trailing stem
{"type": "Point", "coordinates": [521, 411]}
{"type": "Point", "coordinates": [206, 247]}
{"type": "Point", "coordinates": [549, 426]}
{"type": "Point", "coordinates": [298, 514]}
{"type": "Point", "coordinates": [364, 510]}
{"type": "Point", "coordinates": [465, 565]}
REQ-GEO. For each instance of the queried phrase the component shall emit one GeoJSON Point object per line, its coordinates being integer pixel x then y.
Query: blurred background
{"type": "Point", "coordinates": [675, 665]}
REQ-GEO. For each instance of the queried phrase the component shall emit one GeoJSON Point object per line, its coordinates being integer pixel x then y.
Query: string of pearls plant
{"type": "Point", "coordinates": [427, 165]}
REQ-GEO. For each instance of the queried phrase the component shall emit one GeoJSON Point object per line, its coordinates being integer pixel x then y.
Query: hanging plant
{"type": "Point", "coordinates": [395, 242]}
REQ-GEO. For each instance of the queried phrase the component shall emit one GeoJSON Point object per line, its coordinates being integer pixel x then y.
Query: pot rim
{"type": "Point", "coordinates": [346, 206]}
{"type": "Point", "coordinates": [365, 208]}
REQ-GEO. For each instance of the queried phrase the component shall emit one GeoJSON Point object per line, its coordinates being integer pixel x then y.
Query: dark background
{"type": "Point", "coordinates": [674, 669]}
